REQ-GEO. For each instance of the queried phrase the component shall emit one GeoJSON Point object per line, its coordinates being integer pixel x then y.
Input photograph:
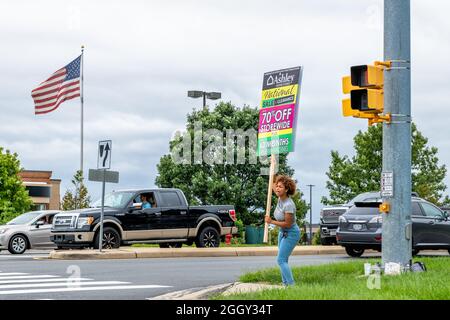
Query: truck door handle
{"type": "Point", "coordinates": [120, 214]}
{"type": "Point", "coordinates": [158, 213]}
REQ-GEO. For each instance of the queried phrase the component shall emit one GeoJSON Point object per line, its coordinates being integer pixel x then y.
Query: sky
{"type": "Point", "coordinates": [141, 58]}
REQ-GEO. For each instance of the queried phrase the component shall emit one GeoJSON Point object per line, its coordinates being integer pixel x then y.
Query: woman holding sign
{"type": "Point", "coordinates": [285, 215]}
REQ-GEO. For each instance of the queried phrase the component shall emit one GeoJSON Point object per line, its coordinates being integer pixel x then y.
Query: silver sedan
{"type": "Point", "coordinates": [29, 230]}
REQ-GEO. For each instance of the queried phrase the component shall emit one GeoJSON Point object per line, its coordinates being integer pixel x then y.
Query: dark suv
{"type": "Point", "coordinates": [329, 216]}
{"type": "Point", "coordinates": [360, 227]}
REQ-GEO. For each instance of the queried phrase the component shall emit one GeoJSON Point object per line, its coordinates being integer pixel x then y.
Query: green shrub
{"type": "Point", "coordinates": [316, 239]}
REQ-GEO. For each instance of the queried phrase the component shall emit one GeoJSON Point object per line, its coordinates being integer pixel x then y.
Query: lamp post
{"type": "Point", "coordinates": [310, 212]}
{"type": "Point", "coordinates": [206, 95]}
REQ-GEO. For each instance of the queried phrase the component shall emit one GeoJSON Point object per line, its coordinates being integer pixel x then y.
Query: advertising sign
{"type": "Point", "coordinates": [279, 111]}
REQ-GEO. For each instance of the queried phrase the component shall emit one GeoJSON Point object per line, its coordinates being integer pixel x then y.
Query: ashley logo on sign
{"type": "Point", "coordinates": [284, 79]}
{"type": "Point", "coordinates": [280, 78]}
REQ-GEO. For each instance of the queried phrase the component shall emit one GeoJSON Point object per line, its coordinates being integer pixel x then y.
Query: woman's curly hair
{"type": "Point", "coordinates": [288, 183]}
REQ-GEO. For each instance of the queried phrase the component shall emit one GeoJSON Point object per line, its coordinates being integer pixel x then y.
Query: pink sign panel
{"type": "Point", "coordinates": [276, 118]}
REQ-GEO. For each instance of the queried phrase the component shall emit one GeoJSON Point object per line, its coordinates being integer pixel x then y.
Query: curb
{"type": "Point", "coordinates": [140, 253]}
{"type": "Point", "coordinates": [206, 293]}
{"type": "Point", "coordinates": [195, 293]}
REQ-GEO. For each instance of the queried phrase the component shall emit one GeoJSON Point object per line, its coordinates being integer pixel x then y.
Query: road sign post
{"type": "Point", "coordinates": [396, 244]}
{"type": "Point", "coordinates": [100, 241]}
{"type": "Point", "coordinates": [103, 175]}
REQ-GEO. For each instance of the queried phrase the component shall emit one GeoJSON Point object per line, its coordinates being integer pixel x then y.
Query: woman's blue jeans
{"type": "Point", "coordinates": [288, 238]}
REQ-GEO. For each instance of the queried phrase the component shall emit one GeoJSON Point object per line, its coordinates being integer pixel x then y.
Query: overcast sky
{"type": "Point", "coordinates": [142, 57]}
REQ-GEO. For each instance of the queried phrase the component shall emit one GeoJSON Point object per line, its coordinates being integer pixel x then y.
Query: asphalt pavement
{"type": "Point", "coordinates": [128, 279]}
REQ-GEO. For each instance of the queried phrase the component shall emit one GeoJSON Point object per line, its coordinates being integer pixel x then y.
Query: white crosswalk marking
{"type": "Point", "coordinates": [61, 284]}
{"type": "Point", "coordinates": [28, 277]}
{"type": "Point", "coordinates": [128, 287]}
{"type": "Point", "coordinates": [42, 280]}
{"type": "Point", "coordinates": [16, 283]}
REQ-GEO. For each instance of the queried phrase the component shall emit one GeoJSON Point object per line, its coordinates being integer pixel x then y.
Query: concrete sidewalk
{"type": "Point", "coordinates": [136, 253]}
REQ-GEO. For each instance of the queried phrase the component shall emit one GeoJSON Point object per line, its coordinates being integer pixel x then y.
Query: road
{"type": "Point", "coordinates": [32, 277]}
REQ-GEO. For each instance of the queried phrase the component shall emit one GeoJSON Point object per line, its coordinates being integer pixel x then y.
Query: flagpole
{"type": "Point", "coordinates": [82, 115]}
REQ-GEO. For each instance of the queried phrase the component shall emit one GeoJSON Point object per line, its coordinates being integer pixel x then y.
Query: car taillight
{"type": "Point", "coordinates": [232, 214]}
{"type": "Point", "coordinates": [378, 238]}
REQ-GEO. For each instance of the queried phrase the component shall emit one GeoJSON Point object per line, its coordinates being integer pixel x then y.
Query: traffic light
{"type": "Point", "coordinates": [365, 86]}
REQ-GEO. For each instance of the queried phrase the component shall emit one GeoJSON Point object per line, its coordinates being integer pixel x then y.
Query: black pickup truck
{"type": "Point", "coordinates": [169, 222]}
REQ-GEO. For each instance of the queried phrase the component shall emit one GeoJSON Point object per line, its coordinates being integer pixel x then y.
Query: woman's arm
{"type": "Point", "coordinates": [287, 223]}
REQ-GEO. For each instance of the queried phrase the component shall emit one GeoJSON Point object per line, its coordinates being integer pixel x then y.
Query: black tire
{"type": "Point", "coordinates": [18, 244]}
{"type": "Point", "coordinates": [171, 245]}
{"type": "Point", "coordinates": [208, 237]}
{"type": "Point", "coordinates": [448, 251]}
{"type": "Point", "coordinates": [111, 239]}
{"type": "Point", "coordinates": [354, 252]}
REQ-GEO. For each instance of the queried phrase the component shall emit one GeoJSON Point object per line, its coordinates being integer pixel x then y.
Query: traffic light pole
{"type": "Point", "coordinates": [397, 227]}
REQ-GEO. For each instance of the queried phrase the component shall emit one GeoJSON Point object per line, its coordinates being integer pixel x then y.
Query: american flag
{"type": "Point", "coordinates": [62, 85]}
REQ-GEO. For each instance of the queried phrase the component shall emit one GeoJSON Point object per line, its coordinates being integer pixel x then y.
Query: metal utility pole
{"type": "Point", "coordinates": [310, 213]}
{"type": "Point", "coordinates": [396, 243]}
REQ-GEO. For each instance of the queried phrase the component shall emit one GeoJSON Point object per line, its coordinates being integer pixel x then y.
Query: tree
{"type": "Point", "coordinates": [362, 173]}
{"type": "Point", "coordinates": [212, 180]}
{"type": "Point", "coordinates": [78, 198]}
{"type": "Point", "coordinates": [14, 199]}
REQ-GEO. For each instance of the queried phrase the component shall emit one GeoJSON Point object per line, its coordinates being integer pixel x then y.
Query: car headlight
{"type": "Point", "coordinates": [2, 231]}
{"type": "Point", "coordinates": [342, 219]}
{"type": "Point", "coordinates": [84, 221]}
{"type": "Point", "coordinates": [377, 219]}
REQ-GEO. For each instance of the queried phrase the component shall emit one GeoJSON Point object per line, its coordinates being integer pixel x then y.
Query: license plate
{"type": "Point", "coordinates": [332, 232]}
{"type": "Point", "coordinates": [357, 227]}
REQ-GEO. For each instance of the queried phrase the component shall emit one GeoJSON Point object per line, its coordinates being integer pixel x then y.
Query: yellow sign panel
{"type": "Point", "coordinates": [281, 92]}
{"type": "Point", "coordinates": [272, 133]}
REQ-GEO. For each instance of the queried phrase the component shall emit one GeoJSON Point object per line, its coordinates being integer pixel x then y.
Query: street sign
{"type": "Point", "coordinates": [100, 174]}
{"type": "Point", "coordinates": [387, 184]}
{"type": "Point", "coordinates": [103, 176]}
{"type": "Point", "coordinates": [279, 111]}
{"type": "Point", "coordinates": [104, 154]}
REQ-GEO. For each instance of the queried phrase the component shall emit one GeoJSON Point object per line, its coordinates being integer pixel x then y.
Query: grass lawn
{"type": "Point", "coordinates": [343, 281]}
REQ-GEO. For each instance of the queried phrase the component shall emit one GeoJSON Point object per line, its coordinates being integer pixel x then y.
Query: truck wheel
{"type": "Point", "coordinates": [208, 238]}
{"type": "Point", "coordinates": [171, 245]}
{"type": "Point", "coordinates": [111, 239]}
{"type": "Point", "coordinates": [18, 244]}
{"type": "Point", "coordinates": [354, 252]}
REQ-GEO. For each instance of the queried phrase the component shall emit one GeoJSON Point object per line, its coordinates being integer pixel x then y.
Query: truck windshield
{"type": "Point", "coordinates": [114, 200]}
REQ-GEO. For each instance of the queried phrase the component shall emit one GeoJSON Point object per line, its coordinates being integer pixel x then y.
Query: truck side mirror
{"type": "Point", "coordinates": [39, 223]}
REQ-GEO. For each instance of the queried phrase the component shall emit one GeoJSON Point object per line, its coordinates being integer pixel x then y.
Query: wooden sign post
{"type": "Point", "coordinates": [269, 197]}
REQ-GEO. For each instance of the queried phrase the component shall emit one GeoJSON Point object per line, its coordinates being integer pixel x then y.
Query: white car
{"type": "Point", "coordinates": [27, 231]}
